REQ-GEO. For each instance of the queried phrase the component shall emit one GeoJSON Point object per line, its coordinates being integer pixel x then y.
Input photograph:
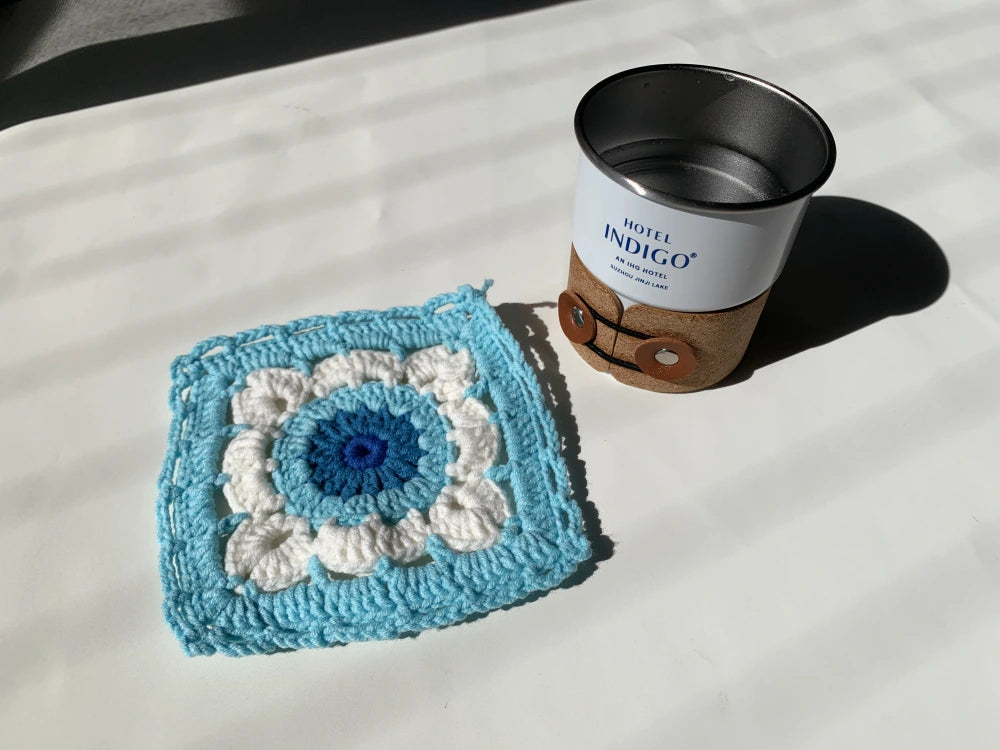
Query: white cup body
{"type": "Point", "coordinates": [678, 258]}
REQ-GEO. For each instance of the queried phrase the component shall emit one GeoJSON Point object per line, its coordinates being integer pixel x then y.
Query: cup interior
{"type": "Point", "coordinates": [704, 137]}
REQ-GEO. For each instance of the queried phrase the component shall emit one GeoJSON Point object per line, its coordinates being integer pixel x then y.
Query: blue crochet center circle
{"type": "Point", "coordinates": [330, 463]}
{"type": "Point", "coordinates": [363, 452]}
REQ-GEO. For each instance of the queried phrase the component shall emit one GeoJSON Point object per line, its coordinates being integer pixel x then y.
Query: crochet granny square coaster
{"type": "Point", "coordinates": [358, 477]}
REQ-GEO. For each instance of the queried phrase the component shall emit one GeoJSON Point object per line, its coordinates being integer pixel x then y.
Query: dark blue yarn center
{"type": "Point", "coordinates": [363, 452]}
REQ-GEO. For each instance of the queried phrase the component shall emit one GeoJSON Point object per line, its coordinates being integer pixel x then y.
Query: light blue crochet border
{"type": "Point", "coordinates": [540, 545]}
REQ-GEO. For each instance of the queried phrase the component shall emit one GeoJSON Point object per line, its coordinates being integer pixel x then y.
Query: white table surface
{"type": "Point", "coordinates": [809, 558]}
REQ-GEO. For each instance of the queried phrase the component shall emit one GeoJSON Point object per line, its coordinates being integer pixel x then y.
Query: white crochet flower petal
{"type": "Point", "coordinates": [405, 541]}
{"type": "Point", "coordinates": [477, 440]}
{"type": "Point", "coordinates": [441, 372]}
{"type": "Point", "coordinates": [249, 489]}
{"type": "Point", "coordinates": [271, 396]}
{"type": "Point", "coordinates": [356, 549]}
{"type": "Point", "coordinates": [355, 368]}
{"type": "Point", "coordinates": [273, 552]}
{"type": "Point", "coordinates": [468, 517]}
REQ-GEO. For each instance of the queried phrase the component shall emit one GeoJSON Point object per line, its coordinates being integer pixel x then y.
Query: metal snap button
{"type": "Point", "coordinates": [576, 319]}
{"type": "Point", "coordinates": [665, 358]}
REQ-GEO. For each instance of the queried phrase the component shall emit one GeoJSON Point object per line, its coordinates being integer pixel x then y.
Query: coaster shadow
{"type": "Point", "coordinates": [853, 263]}
{"type": "Point", "coordinates": [533, 336]}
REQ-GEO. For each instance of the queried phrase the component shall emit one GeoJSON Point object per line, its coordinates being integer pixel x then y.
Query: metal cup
{"type": "Point", "coordinates": [692, 183]}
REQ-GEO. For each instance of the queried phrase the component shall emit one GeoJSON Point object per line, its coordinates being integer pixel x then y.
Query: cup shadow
{"type": "Point", "coordinates": [853, 263]}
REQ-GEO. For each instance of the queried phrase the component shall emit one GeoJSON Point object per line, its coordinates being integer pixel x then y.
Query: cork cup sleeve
{"type": "Point", "coordinates": [648, 347]}
{"type": "Point", "coordinates": [717, 342]}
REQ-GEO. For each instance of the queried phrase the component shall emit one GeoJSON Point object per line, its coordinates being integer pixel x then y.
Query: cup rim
{"type": "Point", "coordinates": [669, 199]}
